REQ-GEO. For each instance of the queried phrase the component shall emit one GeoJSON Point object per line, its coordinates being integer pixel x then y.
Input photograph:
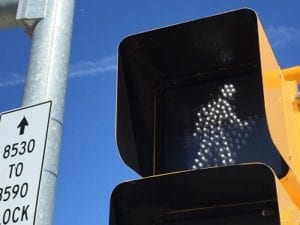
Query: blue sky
{"type": "Point", "coordinates": [90, 166]}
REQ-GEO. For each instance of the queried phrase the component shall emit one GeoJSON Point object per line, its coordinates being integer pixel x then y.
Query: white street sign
{"type": "Point", "coordinates": [23, 134]}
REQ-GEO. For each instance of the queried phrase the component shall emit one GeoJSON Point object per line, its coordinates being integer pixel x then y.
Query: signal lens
{"type": "Point", "coordinates": [215, 121]}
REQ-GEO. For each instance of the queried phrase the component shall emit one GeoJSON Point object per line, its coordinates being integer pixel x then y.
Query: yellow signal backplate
{"type": "Point", "coordinates": [282, 112]}
{"type": "Point", "coordinates": [288, 210]}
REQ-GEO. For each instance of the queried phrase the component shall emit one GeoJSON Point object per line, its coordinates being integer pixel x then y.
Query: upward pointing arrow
{"type": "Point", "coordinates": [22, 125]}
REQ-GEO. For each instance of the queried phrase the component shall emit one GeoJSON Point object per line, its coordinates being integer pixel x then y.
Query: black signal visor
{"type": "Point", "coordinates": [240, 195]}
{"type": "Point", "coordinates": [191, 96]}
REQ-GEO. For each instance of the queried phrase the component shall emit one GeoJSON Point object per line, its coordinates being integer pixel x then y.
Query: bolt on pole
{"type": "Point", "coordinates": [46, 80]}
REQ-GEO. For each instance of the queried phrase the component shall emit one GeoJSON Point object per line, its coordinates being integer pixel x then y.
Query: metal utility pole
{"type": "Point", "coordinates": [49, 23]}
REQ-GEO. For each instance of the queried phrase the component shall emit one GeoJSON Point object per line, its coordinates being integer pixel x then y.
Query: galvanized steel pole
{"type": "Point", "coordinates": [46, 80]}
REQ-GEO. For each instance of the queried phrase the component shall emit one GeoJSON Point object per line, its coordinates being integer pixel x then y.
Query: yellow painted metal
{"type": "Point", "coordinates": [288, 210]}
{"type": "Point", "coordinates": [292, 73]}
{"type": "Point", "coordinates": [283, 113]}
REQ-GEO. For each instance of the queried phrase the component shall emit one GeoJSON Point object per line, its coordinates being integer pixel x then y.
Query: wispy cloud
{"type": "Point", "coordinates": [87, 68]}
{"type": "Point", "coordinates": [79, 69]}
{"type": "Point", "coordinates": [283, 36]}
{"type": "Point", "coordinates": [11, 79]}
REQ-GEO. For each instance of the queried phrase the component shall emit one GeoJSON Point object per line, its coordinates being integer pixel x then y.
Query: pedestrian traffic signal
{"type": "Point", "coordinates": [207, 97]}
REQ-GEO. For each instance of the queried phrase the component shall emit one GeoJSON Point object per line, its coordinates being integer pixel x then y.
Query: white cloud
{"type": "Point", "coordinates": [87, 68]}
{"type": "Point", "coordinates": [80, 69]}
{"type": "Point", "coordinates": [11, 80]}
{"type": "Point", "coordinates": [282, 36]}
